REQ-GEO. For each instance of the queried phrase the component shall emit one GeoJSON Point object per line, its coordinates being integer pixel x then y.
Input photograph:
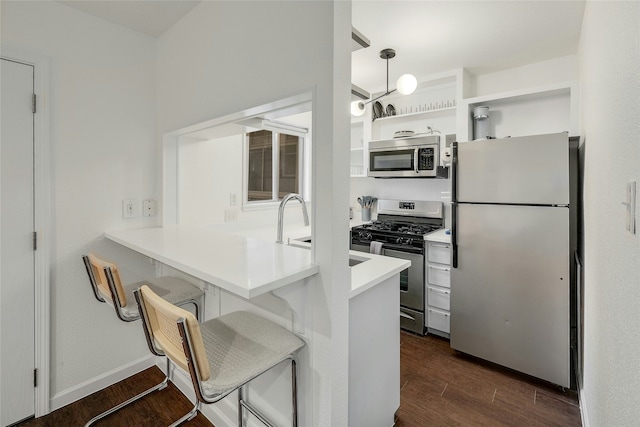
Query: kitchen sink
{"type": "Point", "coordinates": [353, 260]}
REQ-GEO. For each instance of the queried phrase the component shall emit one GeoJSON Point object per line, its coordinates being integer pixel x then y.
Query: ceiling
{"type": "Point", "coordinates": [429, 36]}
{"type": "Point", "coordinates": [482, 36]}
{"type": "Point", "coordinates": [149, 17]}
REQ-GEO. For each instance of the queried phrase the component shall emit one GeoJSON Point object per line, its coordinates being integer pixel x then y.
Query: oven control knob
{"type": "Point", "coordinates": [368, 236]}
{"type": "Point", "coordinates": [399, 240]}
{"type": "Point", "coordinates": [409, 242]}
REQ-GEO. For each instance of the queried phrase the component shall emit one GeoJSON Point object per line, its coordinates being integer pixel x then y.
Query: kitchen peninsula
{"type": "Point", "coordinates": [246, 269]}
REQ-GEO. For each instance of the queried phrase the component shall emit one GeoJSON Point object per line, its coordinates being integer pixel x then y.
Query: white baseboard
{"type": "Point", "coordinates": [88, 387]}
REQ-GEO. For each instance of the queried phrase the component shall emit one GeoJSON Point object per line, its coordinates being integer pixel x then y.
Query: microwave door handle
{"type": "Point", "coordinates": [416, 159]}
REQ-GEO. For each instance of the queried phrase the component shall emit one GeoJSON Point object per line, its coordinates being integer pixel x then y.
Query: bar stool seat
{"type": "Point", "coordinates": [222, 354]}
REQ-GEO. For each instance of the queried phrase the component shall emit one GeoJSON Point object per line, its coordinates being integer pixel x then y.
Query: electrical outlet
{"type": "Point", "coordinates": [230, 215]}
{"type": "Point", "coordinates": [129, 208]}
{"type": "Point", "coordinates": [148, 207]}
{"type": "Point", "coordinates": [233, 199]}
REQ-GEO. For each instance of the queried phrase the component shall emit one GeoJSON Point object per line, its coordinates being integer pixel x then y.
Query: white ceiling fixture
{"type": "Point", "coordinates": [151, 17]}
{"type": "Point", "coordinates": [406, 85]}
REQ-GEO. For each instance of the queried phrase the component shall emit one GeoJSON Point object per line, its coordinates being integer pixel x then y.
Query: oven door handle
{"type": "Point", "coordinates": [406, 316]}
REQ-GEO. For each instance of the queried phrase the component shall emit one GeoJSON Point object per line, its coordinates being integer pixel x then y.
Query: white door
{"type": "Point", "coordinates": [17, 333]}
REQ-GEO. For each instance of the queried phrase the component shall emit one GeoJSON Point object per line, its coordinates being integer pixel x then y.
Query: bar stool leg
{"type": "Point", "coordinates": [158, 386]}
{"type": "Point", "coordinates": [240, 408]}
{"type": "Point", "coordinates": [294, 394]}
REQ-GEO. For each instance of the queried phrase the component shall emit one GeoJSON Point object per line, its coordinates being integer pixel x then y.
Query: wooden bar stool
{"type": "Point", "coordinates": [229, 351]}
{"type": "Point", "coordinates": [108, 288]}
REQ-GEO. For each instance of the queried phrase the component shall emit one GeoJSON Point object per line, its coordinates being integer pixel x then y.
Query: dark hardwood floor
{"type": "Point", "coordinates": [439, 387]}
{"type": "Point", "coordinates": [159, 408]}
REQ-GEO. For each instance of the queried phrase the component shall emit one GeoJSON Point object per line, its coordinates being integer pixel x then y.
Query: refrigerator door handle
{"type": "Point", "coordinates": [454, 204]}
{"type": "Point", "coordinates": [454, 172]}
{"type": "Point", "coordinates": [454, 237]}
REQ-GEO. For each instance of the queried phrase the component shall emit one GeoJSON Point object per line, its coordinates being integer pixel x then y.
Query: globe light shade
{"type": "Point", "coordinates": [357, 108]}
{"type": "Point", "coordinates": [407, 84]}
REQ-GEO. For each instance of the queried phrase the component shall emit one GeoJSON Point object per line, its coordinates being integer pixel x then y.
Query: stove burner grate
{"type": "Point", "coordinates": [400, 227]}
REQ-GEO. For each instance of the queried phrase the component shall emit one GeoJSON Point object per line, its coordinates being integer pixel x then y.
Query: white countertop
{"type": "Point", "coordinates": [245, 266]}
{"type": "Point", "coordinates": [439, 236]}
{"type": "Point", "coordinates": [374, 270]}
{"type": "Point", "coordinates": [247, 261]}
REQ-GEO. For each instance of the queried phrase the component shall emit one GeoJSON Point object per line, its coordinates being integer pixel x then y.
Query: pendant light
{"type": "Point", "coordinates": [406, 85]}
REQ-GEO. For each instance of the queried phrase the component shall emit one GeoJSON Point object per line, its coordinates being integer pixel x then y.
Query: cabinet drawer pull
{"type": "Point", "coordinates": [435, 245]}
{"type": "Point", "coordinates": [439, 312]}
{"type": "Point", "coordinates": [440, 268]}
{"type": "Point", "coordinates": [439, 291]}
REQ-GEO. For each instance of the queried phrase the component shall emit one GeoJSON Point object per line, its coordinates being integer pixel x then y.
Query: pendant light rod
{"type": "Point", "coordinates": [407, 81]}
{"type": "Point", "coordinates": [385, 54]}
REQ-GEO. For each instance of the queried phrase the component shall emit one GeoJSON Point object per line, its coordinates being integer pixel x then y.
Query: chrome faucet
{"type": "Point", "coordinates": [281, 212]}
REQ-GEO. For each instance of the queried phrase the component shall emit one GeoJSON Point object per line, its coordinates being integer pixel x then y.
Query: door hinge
{"type": "Point", "coordinates": [33, 103]}
{"type": "Point", "coordinates": [35, 377]}
{"type": "Point", "coordinates": [35, 240]}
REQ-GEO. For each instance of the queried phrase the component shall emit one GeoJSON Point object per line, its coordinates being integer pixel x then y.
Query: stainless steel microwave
{"type": "Point", "coordinates": [414, 157]}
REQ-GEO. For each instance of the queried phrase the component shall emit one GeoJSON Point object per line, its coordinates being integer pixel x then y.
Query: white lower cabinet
{"type": "Point", "coordinates": [438, 318]}
{"type": "Point", "coordinates": [439, 275]}
{"type": "Point", "coordinates": [438, 298]}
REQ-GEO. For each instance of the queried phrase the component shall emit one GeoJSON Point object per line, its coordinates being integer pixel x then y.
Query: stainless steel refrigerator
{"type": "Point", "coordinates": [513, 238]}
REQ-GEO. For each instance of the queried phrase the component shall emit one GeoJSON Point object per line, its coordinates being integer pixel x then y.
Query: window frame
{"type": "Point", "coordinates": [276, 129]}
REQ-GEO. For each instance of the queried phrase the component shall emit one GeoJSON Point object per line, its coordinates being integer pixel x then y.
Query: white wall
{"type": "Point", "coordinates": [209, 171]}
{"type": "Point", "coordinates": [225, 57]}
{"type": "Point", "coordinates": [103, 144]}
{"type": "Point", "coordinates": [542, 73]}
{"type": "Point", "coordinates": [211, 168]}
{"type": "Point", "coordinates": [610, 83]}
{"type": "Point", "coordinates": [399, 189]}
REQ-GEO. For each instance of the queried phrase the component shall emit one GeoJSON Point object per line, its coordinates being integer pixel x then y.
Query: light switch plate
{"type": "Point", "coordinates": [631, 207]}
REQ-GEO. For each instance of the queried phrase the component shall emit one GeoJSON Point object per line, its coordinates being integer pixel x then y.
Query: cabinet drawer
{"type": "Point", "coordinates": [439, 298]}
{"type": "Point", "coordinates": [439, 275]}
{"type": "Point", "coordinates": [438, 320]}
{"type": "Point", "coordinates": [439, 252]}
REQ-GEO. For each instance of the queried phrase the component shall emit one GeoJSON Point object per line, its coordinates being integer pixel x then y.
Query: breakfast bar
{"type": "Point", "coordinates": [245, 269]}
{"type": "Point", "coordinates": [244, 266]}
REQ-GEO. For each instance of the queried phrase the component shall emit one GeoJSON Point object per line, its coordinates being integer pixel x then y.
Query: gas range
{"type": "Point", "coordinates": [393, 235]}
{"type": "Point", "coordinates": [401, 227]}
